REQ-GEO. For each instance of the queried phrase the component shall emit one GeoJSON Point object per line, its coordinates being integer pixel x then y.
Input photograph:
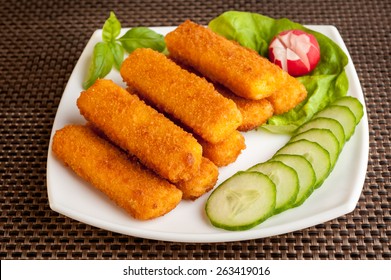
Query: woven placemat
{"type": "Point", "coordinates": [40, 44]}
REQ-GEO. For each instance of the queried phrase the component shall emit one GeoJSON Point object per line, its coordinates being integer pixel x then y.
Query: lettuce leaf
{"type": "Point", "coordinates": [326, 83]}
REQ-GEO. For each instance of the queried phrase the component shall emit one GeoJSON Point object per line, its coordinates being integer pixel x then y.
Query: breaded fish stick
{"type": "Point", "coordinates": [181, 94]}
{"type": "Point", "coordinates": [142, 193]}
{"type": "Point", "coordinates": [224, 152]}
{"type": "Point", "coordinates": [243, 71]}
{"type": "Point", "coordinates": [140, 130]}
{"type": "Point", "coordinates": [254, 112]}
{"type": "Point", "coordinates": [201, 183]}
{"type": "Point", "coordinates": [288, 96]}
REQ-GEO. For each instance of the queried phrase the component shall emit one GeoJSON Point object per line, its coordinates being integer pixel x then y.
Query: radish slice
{"type": "Point", "coordinates": [295, 51]}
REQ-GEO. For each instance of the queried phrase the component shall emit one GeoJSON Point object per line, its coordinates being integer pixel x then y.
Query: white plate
{"type": "Point", "coordinates": [339, 194]}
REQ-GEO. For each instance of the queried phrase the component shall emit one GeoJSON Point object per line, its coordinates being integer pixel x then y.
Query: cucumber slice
{"type": "Point", "coordinates": [314, 153]}
{"type": "Point", "coordinates": [286, 180]}
{"type": "Point", "coordinates": [305, 173]}
{"type": "Point", "coordinates": [323, 137]}
{"type": "Point", "coordinates": [353, 104]}
{"type": "Point", "coordinates": [326, 123]}
{"type": "Point", "coordinates": [341, 114]}
{"type": "Point", "coordinates": [242, 201]}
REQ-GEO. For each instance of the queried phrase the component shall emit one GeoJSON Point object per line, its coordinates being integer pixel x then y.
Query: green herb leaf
{"type": "Point", "coordinates": [111, 28]}
{"type": "Point", "coordinates": [142, 37]}
{"type": "Point", "coordinates": [101, 64]}
{"type": "Point", "coordinates": [118, 54]}
{"type": "Point", "coordinates": [111, 51]}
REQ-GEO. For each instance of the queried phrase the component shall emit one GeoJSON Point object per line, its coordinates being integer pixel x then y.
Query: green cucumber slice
{"type": "Point", "coordinates": [242, 201]}
{"type": "Point", "coordinates": [353, 104]}
{"type": "Point", "coordinates": [286, 180]}
{"type": "Point", "coordinates": [314, 153]}
{"type": "Point", "coordinates": [323, 137]}
{"type": "Point", "coordinates": [325, 123]}
{"type": "Point", "coordinates": [341, 114]}
{"type": "Point", "coordinates": [305, 173]}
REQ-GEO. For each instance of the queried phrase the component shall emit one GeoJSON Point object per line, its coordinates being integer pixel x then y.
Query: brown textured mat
{"type": "Point", "coordinates": [40, 44]}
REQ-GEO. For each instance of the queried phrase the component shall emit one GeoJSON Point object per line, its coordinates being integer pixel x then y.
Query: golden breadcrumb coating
{"type": "Point", "coordinates": [142, 193]}
{"type": "Point", "coordinates": [245, 72]}
{"type": "Point", "coordinates": [202, 182]}
{"type": "Point", "coordinates": [254, 112]}
{"type": "Point", "coordinates": [288, 96]}
{"type": "Point", "coordinates": [140, 130]}
{"type": "Point", "coordinates": [181, 94]}
{"type": "Point", "coordinates": [226, 151]}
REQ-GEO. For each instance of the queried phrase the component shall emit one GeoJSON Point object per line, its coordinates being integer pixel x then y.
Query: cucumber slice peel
{"type": "Point", "coordinates": [314, 153]}
{"type": "Point", "coordinates": [324, 138]}
{"type": "Point", "coordinates": [286, 180]}
{"type": "Point", "coordinates": [242, 201]}
{"type": "Point", "coordinates": [353, 104]}
{"type": "Point", "coordinates": [325, 123]}
{"type": "Point", "coordinates": [305, 174]}
{"type": "Point", "coordinates": [341, 114]}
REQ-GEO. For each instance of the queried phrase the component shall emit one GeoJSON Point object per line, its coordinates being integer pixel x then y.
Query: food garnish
{"type": "Point", "coordinates": [295, 51]}
{"type": "Point", "coordinates": [327, 82]}
{"type": "Point", "coordinates": [111, 51]}
{"type": "Point", "coordinates": [314, 149]}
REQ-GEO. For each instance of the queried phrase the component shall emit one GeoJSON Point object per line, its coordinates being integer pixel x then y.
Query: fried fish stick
{"type": "Point", "coordinates": [137, 190]}
{"type": "Point", "coordinates": [226, 151]}
{"type": "Point", "coordinates": [288, 96]}
{"type": "Point", "coordinates": [140, 130]}
{"type": "Point", "coordinates": [245, 72]}
{"type": "Point", "coordinates": [254, 112]}
{"type": "Point", "coordinates": [202, 182]}
{"type": "Point", "coordinates": [181, 94]}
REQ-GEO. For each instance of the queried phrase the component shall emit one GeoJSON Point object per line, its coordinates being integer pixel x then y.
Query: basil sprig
{"type": "Point", "coordinates": [142, 37]}
{"type": "Point", "coordinates": [110, 52]}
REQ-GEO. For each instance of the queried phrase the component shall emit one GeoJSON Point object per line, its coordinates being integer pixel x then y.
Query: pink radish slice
{"type": "Point", "coordinates": [295, 51]}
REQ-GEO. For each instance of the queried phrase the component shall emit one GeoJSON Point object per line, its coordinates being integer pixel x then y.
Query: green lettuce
{"type": "Point", "coordinates": [324, 84]}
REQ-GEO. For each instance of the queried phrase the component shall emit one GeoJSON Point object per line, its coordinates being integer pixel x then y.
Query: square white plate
{"type": "Point", "coordinates": [72, 197]}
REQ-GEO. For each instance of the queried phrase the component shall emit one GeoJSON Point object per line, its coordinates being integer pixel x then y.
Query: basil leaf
{"type": "Point", "coordinates": [118, 54]}
{"type": "Point", "coordinates": [142, 37]}
{"type": "Point", "coordinates": [111, 28]}
{"type": "Point", "coordinates": [101, 64]}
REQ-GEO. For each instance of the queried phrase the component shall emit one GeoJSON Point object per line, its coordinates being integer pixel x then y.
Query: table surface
{"type": "Point", "coordinates": [41, 42]}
